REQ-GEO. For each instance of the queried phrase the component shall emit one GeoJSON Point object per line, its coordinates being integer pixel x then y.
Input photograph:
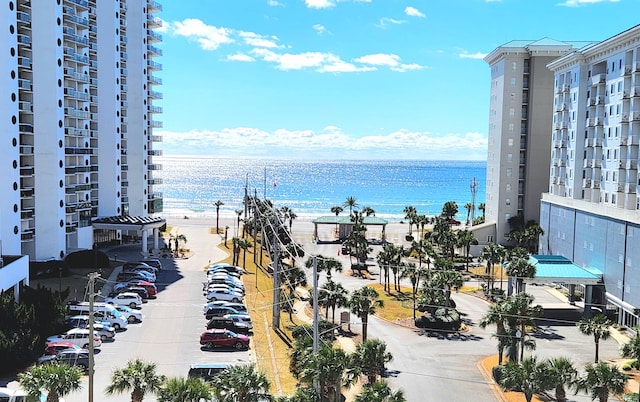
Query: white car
{"type": "Point", "coordinates": [225, 277]}
{"type": "Point", "coordinates": [77, 336]}
{"type": "Point", "coordinates": [224, 294]}
{"type": "Point", "coordinates": [215, 287]}
{"type": "Point", "coordinates": [130, 299]}
{"type": "Point", "coordinates": [230, 286]}
{"type": "Point", "coordinates": [131, 315]}
{"type": "Point", "coordinates": [241, 318]}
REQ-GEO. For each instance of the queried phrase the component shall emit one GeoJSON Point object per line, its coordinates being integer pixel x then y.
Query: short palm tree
{"type": "Point", "coordinates": [598, 326]}
{"type": "Point", "coordinates": [184, 390]}
{"type": "Point", "coordinates": [497, 314]}
{"type": "Point", "coordinates": [137, 377]}
{"type": "Point", "coordinates": [520, 269]}
{"type": "Point", "coordinates": [631, 350]}
{"type": "Point", "coordinates": [529, 377]}
{"type": "Point", "coordinates": [363, 302]}
{"type": "Point", "coordinates": [241, 383]}
{"type": "Point", "coordinates": [55, 379]}
{"type": "Point", "coordinates": [561, 373]}
{"type": "Point", "coordinates": [324, 264]}
{"type": "Point", "coordinates": [600, 380]}
{"type": "Point", "coordinates": [351, 203]}
{"type": "Point", "coordinates": [218, 204]}
{"type": "Point", "coordinates": [369, 359]}
{"type": "Point", "coordinates": [379, 392]}
{"type": "Point", "coordinates": [326, 368]}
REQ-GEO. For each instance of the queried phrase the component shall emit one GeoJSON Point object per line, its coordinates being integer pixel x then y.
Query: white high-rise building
{"type": "Point", "coordinates": [77, 118]}
{"type": "Point", "coordinates": [521, 108]}
{"type": "Point", "coordinates": [591, 210]}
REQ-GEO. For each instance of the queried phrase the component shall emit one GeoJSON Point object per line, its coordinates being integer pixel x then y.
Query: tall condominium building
{"type": "Point", "coordinates": [77, 116]}
{"type": "Point", "coordinates": [521, 108]}
{"type": "Point", "coordinates": [590, 213]}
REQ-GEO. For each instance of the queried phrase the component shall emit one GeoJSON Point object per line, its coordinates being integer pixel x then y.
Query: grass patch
{"type": "Point", "coordinates": [269, 346]}
{"type": "Point", "coordinates": [398, 306]}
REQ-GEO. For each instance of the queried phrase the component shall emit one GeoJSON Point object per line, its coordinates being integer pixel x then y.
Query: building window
{"type": "Point", "coordinates": [510, 142]}
{"type": "Point", "coordinates": [508, 187]}
{"type": "Point", "coordinates": [508, 172]}
{"type": "Point", "coordinates": [509, 157]}
{"type": "Point", "coordinates": [514, 66]}
{"type": "Point", "coordinates": [512, 112]}
{"type": "Point", "coordinates": [513, 82]}
{"type": "Point", "coordinates": [511, 127]}
{"type": "Point", "coordinates": [507, 202]}
{"type": "Point", "coordinates": [507, 216]}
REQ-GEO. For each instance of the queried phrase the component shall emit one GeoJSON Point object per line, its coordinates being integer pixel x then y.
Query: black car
{"type": "Point", "coordinates": [135, 289]}
{"type": "Point", "coordinates": [226, 323]}
{"type": "Point", "coordinates": [219, 311]}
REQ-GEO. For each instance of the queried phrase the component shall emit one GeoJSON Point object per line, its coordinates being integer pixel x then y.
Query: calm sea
{"type": "Point", "coordinates": [192, 184]}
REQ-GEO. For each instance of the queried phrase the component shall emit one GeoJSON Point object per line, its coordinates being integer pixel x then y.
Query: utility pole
{"type": "Point", "coordinates": [474, 191]}
{"type": "Point", "coordinates": [276, 272]}
{"type": "Point", "coordinates": [92, 294]}
{"type": "Point", "coordinates": [316, 335]}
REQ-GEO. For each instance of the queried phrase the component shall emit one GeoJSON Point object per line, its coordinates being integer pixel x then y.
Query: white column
{"type": "Point", "coordinates": [145, 235]}
{"type": "Point", "coordinates": [156, 235]}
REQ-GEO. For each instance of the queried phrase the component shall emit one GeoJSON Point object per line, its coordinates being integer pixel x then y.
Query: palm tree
{"type": "Point", "coordinates": [409, 270]}
{"type": "Point", "coordinates": [241, 383]}
{"type": "Point", "coordinates": [497, 314]}
{"type": "Point", "coordinates": [244, 244]}
{"type": "Point", "coordinates": [363, 302]}
{"type": "Point", "coordinates": [600, 380]}
{"type": "Point", "coordinates": [631, 350]}
{"type": "Point", "coordinates": [468, 206]}
{"type": "Point", "coordinates": [352, 203]}
{"type": "Point", "coordinates": [218, 204]}
{"type": "Point", "coordinates": [336, 296]}
{"type": "Point", "coordinates": [561, 373]}
{"type": "Point", "coordinates": [493, 254]}
{"type": "Point", "coordinates": [447, 279]}
{"type": "Point", "coordinates": [521, 313]}
{"type": "Point", "coordinates": [532, 235]}
{"type": "Point", "coordinates": [598, 326]}
{"type": "Point", "coordinates": [449, 210]}
{"type": "Point", "coordinates": [326, 367]}
{"type": "Point", "coordinates": [391, 255]}
{"type": "Point", "coordinates": [138, 377]}
{"type": "Point", "coordinates": [239, 213]}
{"type": "Point", "coordinates": [529, 377]}
{"type": "Point", "coordinates": [55, 379]}
{"type": "Point", "coordinates": [179, 389]}
{"type": "Point", "coordinates": [520, 269]}
{"type": "Point", "coordinates": [337, 210]}
{"type": "Point", "coordinates": [379, 392]}
{"type": "Point", "coordinates": [410, 213]}
{"type": "Point", "coordinates": [324, 264]}
{"type": "Point", "coordinates": [466, 239]}
{"type": "Point", "coordinates": [482, 207]}
{"type": "Point", "coordinates": [288, 214]}
{"type": "Point", "coordinates": [369, 359]}
{"type": "Point", "coordinates": [180, 239]}
{"type": "Point", "coordinates": [368, 211]}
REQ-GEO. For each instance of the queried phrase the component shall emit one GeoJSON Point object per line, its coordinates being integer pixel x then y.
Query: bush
{"type": "Point", "coordinates": [496, 372]}
{"type": "Point", "coordinates": [306, 330]}
{"type": "Point", "coordinates": [87, 259]}
{"type": "Point", "coordinates": [447, 319]}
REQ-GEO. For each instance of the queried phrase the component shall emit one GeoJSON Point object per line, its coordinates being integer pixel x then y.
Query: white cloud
{"type": "Point", "coordinates": [274, 3]}
{"type": "Point", "coordinates": [255, 40]}
{"type": "Point", "coordinates": [320, 29]}
{"type": "Point", "coordinates": [477, 55]}
{"type": "Point", "coordinates": [578, 3]}
{"type": "Point", "coordinates": [407, 67]}
{"type": "Point", "coordinates": [413, 12]}
{"type": "Point", "coordinates": [380, 59]}
{"type": "Point", "coordinates": [387, 21]}
{"type": "Point", "coordinates": [208, 36]}
{"type": "Point", "coordinates": [240, 57]}
{"type": "Point", "coordinates": [330, 141]}
{"type": "Point", "coordinates": [319, 4]}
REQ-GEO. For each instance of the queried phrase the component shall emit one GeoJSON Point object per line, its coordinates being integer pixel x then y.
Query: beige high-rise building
{"type": "Point", "coordinates": [519, 135]}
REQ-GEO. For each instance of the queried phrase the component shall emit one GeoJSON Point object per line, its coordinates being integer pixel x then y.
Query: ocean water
{"type": "Point", "coordinates": [192, 184]}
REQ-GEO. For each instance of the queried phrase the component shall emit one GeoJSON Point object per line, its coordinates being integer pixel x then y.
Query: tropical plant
{"type": "Point", "coordinates": [446, 280]}
{"type": "Point", "coordinates": [449, 210]}
{"type": "Point", "coordinates": [391, 255]}
{"type": "Point", "coordinates": [180, 239]}
{"type": "Point", "coordinates": [368, 211]}
{"type": "Point", "coordinates": [351, 203]}
{"type": "Point", "coordinates": [466, 239]}
{"type": "Point", "coordinates": [600, 380]}
{"type": "Point", "coordinates": [324, 264]}
{"type": "Point", "coordinates": [598, 326]}
{"type": "Point", "coordinates": [529, 377]}
{"type": "Point", "coordinates": [179, 389]}
{"type": "Point", "coordinates": [379, 392]}
{"type": "Point", "coordinates": [218, 204]}
{"type": "Point", "coordinates": [137, 377]}
{"type": "Point", "coordinates": [497, 315]}
{"type": "Point", "coordinates": [241, 383]}
{"type": "Point", "coordinates": [561, 373]}
{"type": "Point", "coordinates": [410, 213]}
{"type": "Point", "coordinates": [482, 207]}
{"type": "Point", "coordinates": [631, 350]}
{"type": "Point", "coordinates": [520, 269]}
{"type": "Point", "coordinates": [55, 379]}
{"type": "Point", "coordinates": [327, 368]}
{"type": "Point", "coordinates": [334, 295]}
{"type": "Point", "coordinates": [289, 215]}
{"type": "Point", "coordinates": [409, 270]}
{"type": "Point", "coordinates": [244, 245]}
{"type": "Point", "coordinates": [520, 317]}
{"type": "Point", "coordinates": [493, 254]}
{"type": "Point", "coordinates": [364, 301]}
{"type": "Point", "coordinates": [369, 359]}
{"type": "Point", "coordinates": [468, 206]}
{"type": "Point", "coordinates": [238, 219]}
{"type": "Point", "coordinates": [337, 210]}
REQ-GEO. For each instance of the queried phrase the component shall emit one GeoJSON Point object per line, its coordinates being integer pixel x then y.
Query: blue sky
{"type": "Point", "coordinates": [349, 79]}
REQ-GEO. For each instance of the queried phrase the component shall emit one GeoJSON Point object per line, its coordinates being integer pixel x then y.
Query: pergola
{"type": "Point", "coordinates": [142, 224]}
{"type": "Point", "coordinates": [345, 225]}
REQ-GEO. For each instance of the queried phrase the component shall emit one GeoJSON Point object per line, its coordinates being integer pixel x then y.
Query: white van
{"type": "Point", "coordinates": [102, 311]}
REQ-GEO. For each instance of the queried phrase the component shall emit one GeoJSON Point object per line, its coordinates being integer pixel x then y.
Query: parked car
{"type": "Point", "coordinates": [72, 357]}
{"type": "Point", "coordinates": [222, 294]}
{"type": "Point", "coordinates": [132, 300]}
{"type": "Point", "coordinates": [52, 348]}
{"type": "Point", "coordinates": [137, 275]}
{"type": "Point", "coordinates": [227, 323]}
{"type": "Point", "coordinates": [213, 286]}
{"type": "Point", "coordinates": [223, 276]}
{"type": "Point", "coordinates": [207, 371]}
{"type": "Point", "coordinates": [154, 262]}
{"type": "Point", "coordinates": [219, 311]}
{"type": "Point", "coordinates": [131, 315]}
{"type": "Point", "coordinates": [245, 318]}
{"type": "Point", "coordinates": [104, 330]}
{"type": "Point", "coordinates": [221, 270]}
{"type": "Point", "coordinates": [227, 267]}
{"type": "Point", "coordinates": [241, 308]}
{"type": "Point", "coordinates": [139, 290]}
{"type": "Point", "coordinates": [139, 266]}
{"type": "Point", "coordinates": [213, 338]}
{"type": "Point", "coordinates": [77, 336]}
{"type": "Point", "coordinates": [82, 321]}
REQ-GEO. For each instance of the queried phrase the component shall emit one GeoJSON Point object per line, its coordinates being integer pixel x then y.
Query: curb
{"type": "Point", "coordinates": [495, 388]}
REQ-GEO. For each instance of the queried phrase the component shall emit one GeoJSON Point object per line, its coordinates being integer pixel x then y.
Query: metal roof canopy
{"type": "Point", "coordinates": [128, 222]}
{"type": "Point", "coordinates": [558, 269]}
{"type": "Point", "coordinates": [346, 220]}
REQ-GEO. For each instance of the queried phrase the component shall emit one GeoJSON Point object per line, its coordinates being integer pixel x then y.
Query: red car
{"type": "Point", "coordinates": [149, 286]}
{"type": "Point", "coordinates": [52, 348]}
{"type": "Point", "coordinates": [213, 338]}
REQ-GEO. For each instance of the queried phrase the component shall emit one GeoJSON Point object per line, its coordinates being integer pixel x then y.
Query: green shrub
{"type": "Point", "coordinates": [85, 259]}
{"type": "Point", "coordinates": [496, 372]}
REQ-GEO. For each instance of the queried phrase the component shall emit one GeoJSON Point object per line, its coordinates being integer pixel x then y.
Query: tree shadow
{"type": "Point", "coordinates": [449, 336]}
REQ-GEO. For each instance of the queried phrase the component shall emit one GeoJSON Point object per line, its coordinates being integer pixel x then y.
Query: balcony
{"type": "Point", "coordinates": [153, 22]}
{"type": "Point", "coordinates": [155, 50]}
{"type": "Point", "coordinates": [591, 122]}
{"type": "Point", "coordinates": [635, 116]}
{"type": "Point", "coordinates": [630, 140]}
{"type": "Point", "coordinates": [81, 3]}
{"type": "Point", "coordinates": [154, 152]}
{"type": "Point", "coordinates": [155, 80]}
{"type": "Point", "coordinates": [155, 124]}
{"type": "Point", "coordinates": [598, 79]}
{"type": "Point", "coordinates": [154, 182]}
{"type": "Point", "coordinates": [155, 95]}
{"type": "Point", "coordinates": [594, 142]}
{"type": "Point", "coordinates": [561, 107]}
{"type": "Point", "coordinates": [586, 183]}
{"type": "Point", "coordinates": [154, 6]}
{"type": "Point", "coordinates": [154, 65]}
{"type": "Point", "coordinates": [155, 166]}
{"type": "Point", "coordinates": [155, 138]}
{"type": "Point", "coordinates": [155, 109]}
{"type": "Point", "coordinates": [154, 36]}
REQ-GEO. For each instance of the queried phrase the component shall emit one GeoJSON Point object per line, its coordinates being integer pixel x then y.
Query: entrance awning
{"type": "Point", "coordinates": [128, 222]}
{"type": "Point", "coordinates": [558, 269]}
